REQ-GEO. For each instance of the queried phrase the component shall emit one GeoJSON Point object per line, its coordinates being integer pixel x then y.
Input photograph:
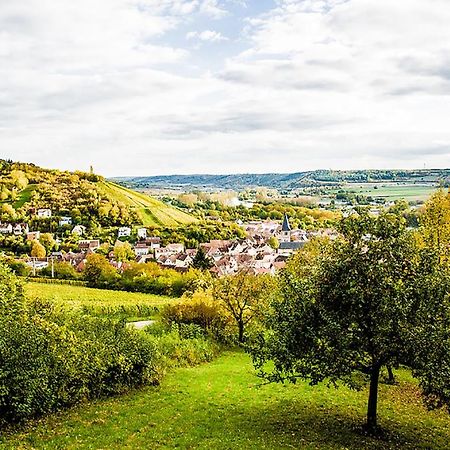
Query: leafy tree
{"type": "Point", "coordinates": [435, 223]}
{"type": "Point", "coordinates": [370, 299]}
{"type": "Point", "coordinates": [273, 242]}
{"type": "Point", "coordinates": [98, 271]}
{"type": "Point", "coordinates": [37, 249]}
{"type": "Point", "coordinates": [201, 260]}
{"type": "Point", "coordinates": [243, 295]}
{"type": "Point", "coordinates": [123, 251]}
{"type": "Point", "coordinates": [47, 241]}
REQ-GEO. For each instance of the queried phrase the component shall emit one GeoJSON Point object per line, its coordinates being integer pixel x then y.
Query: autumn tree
{"type": "Point", "coordinates": [98, 271]}
{"type": "Point", "coordinates": [37, 249]}
{"type": "Point", "coordinates": [435, 223]}
{"type": "Point", "coordinates": [372, 298]}
{"type": "Point", "coordinates": [243, 295]}
{"type": "Point", "coordinates": [123, 251]}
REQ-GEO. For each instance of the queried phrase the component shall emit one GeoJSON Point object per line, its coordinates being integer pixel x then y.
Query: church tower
{"type": "Point", "coordinates": [285, 235]}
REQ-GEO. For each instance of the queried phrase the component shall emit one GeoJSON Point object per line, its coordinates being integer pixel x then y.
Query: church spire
{"type": "Point", "coordinates": [286, 226]}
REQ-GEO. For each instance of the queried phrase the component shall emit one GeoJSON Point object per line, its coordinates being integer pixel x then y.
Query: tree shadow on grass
{"type": "Point", "coordinates": [298, 424]}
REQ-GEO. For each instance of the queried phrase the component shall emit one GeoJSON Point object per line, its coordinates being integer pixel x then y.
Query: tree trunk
{"type": "Point", "coordinates": [373, 398]}
{"type": "Point", "coordinates": [391, 377]}
{"type": "Point", "coordinates": [241, 331]}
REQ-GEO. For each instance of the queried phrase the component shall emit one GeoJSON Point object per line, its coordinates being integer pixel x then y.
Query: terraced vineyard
{"type": "Point", "coordinates": [153, 212]}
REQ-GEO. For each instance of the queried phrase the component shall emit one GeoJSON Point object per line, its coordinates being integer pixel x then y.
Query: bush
{"type": "Point", "coordinates": [201, 310]}
{"type": "Point", "coordinates": [51, 359]}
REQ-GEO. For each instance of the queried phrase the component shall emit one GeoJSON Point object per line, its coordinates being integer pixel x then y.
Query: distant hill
{"type": "Point", "coordinates": [87, 198]}
{"type": "Point", "coordinates": [286, 181]}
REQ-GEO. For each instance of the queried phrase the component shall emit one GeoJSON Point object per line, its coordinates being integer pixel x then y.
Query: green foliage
{"type": "Point", "coordinates": [201, 310]}
{"type": "Point", "coordinates": [244, 296]}
{"type": "Point", "coordinates": [201, 260]}
{"type": "Point", "coordinates": [98, 271]}
{"type": "Point", "coordinates": [53, 359]}
{"type": "Point", "coordinates": [371, 298]}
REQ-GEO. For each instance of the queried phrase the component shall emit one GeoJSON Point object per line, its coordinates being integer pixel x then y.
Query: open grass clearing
{"type": "Point", "coordinates": [220, 405]}
{"type": "Point", "coordinates": [103, 302]}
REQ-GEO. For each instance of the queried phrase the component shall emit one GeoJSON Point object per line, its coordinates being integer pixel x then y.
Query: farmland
{"type": "Point", "coordinates": [390, 191]}
{"type": "Point", "coordinates": [102, 302]}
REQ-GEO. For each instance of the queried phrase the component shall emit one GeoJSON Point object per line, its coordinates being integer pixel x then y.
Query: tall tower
{"type": "Point", "coordinates": [91, 170]}
{"type": "Point", "coordinates": [285, 235]}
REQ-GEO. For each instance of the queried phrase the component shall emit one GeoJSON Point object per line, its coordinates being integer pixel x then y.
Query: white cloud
{"type": "Point", "coordinates": [321, 83]}
{"type": "Point", "coordinates": [207, 35]}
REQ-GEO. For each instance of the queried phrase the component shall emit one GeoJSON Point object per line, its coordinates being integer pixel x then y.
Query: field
{"type": "Point", "coordinates": [222, 405]}
{"type": "Point", "coordinates": [24, 196]}
{"type": "Point", "coordinates": [153, 212]}
{"type": "Point", "coordinates": [102, 302]}
{"type": "Point", "coordinates": [392, 191]}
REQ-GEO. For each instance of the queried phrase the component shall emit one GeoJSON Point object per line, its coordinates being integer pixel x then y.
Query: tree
{"type": "Point", "coordinates": [98, 271]}
{"type": "Point", "coordinates": [47, 241]}
{"type": "Point", "coordinates": [37, 249]}
{"type": "Point", "coordinates": [243, 296]}
{"type": "Point", "coordinates": [435, 223]}
{"type": "Point", "coordinates": [273, 242]}
{"type": "Point", "coordinates": [370, 299]}
{"type": "Point", "coordinates": [123, 251]}
{"type": "Point", "coordinates": [202, 260]}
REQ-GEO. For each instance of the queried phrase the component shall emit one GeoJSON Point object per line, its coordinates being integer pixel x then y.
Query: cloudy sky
{"type": "Point", "coordinates": [146, 87]}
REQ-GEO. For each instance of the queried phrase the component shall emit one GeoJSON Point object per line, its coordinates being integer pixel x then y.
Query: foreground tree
{"type": "Point", "coordinates": [370, 299]}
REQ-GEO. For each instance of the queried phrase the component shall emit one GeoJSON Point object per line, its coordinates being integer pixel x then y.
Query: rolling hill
{"type": "Point", "coordinates": [87, 198]}
{"type": "Point", "coordinates": [287, 181]}
{"type": "Point", "coordinates": [152, 211]}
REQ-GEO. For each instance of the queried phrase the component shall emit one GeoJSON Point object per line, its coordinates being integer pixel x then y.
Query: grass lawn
{"type": "Point", "coordinates": [130, 305]}
{"type": "Point", "coordinates": [220, 406]}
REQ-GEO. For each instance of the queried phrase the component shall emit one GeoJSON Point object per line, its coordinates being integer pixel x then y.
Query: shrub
{"type": "Point", "coordinates": [51, 359]}
{"type": "Point", "coordinates": [201, 310]}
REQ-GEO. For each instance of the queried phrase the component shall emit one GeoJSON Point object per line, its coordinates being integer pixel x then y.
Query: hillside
{"type": "Point", "coordinates": [287, 181]}
{"type": "Point", "coordinates": [153, 212]}
{"type": "Point", "coordinates": [86, 198]}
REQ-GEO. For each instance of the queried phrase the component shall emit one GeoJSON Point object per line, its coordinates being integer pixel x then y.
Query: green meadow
{"type": "Point", "coordinates": [223, 405]}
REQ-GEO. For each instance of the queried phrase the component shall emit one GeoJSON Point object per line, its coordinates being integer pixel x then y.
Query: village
{"type": "Point", "coordinates": [265, 249]}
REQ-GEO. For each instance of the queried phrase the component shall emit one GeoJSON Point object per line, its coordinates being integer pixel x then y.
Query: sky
{"type": "Point", "coordinates": [153, 87]}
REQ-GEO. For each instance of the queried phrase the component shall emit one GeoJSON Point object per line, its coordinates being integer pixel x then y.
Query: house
{"type": "Point", "coordinates": [88, 244]}
{"type": "Point", "coordinates": [153, 242]}
{"type": "Point", "coordinates": [33, 236]}
{"type": "Point", "coordinates": [65, 220]}
{"type": "Point", "coordinates": [6, 228]}
{"type": "Point", "coordinates": [124, 232]}
{"type": "Point", "coordinates": [142, 233]}
{"type": "Point", "coordinates": [20, 228]}
{"type": "Point", "coordinates": [141, 249]}
{"type": "Point", "coordinates": [175, 248]}
{"type": "Point", "coordinates": [79, 229]}
{"type": "Point", "coordinates": [44, 213]}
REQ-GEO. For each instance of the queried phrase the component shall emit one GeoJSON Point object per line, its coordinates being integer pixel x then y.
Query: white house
{"type": "Point", "coordinates": [65, 220]}
{"type": "Point", "coordinates": [124, 232]}
{"type": "Point", "coordinates": [142, 233]}
{"type": "Point", "coordinates": [6, 228]}
{"type": "Point", "coordinates": [141, 249]}
{"type": "Point", "coordinates": [79, 229]}
{"type": "Point", "coordinates": [44, 212]}
{"type": "Point", "coordinates": [20, 228]}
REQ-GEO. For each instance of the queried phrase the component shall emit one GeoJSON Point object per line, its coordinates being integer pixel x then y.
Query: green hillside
{"type": "Point", "coordinates": [152, 211]}
{"type": "Point", "coordinates": [87, 198]}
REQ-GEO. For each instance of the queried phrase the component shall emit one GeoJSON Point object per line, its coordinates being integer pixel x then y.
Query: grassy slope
{"type": "Point", "coordinates": [220, 406]}
{"type": "Point", "coordinates": [100, 300]}
{"type": "Point", "coordinates": [24, 196]}
{"type": "Point", "coordinates": [153, 211]}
